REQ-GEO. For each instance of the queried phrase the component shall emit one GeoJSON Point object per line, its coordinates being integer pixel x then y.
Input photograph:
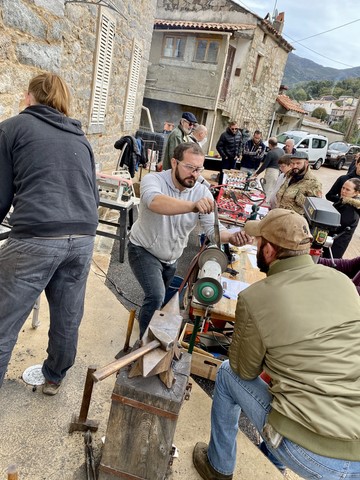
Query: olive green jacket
{"type": "Point", "coordinates": [292, 197]}
{"type": "Point", "coordinates": [176, 137]}
{"type": "Point", "coordinates": [301, 325]}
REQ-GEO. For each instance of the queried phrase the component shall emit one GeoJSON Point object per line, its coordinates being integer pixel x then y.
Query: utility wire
{"type": "Point", "coordinates": [320, 54]}
{"type": "Point", "coordinates": [327, 31]}
{"type": "Point", "coordinates": [241, 3]}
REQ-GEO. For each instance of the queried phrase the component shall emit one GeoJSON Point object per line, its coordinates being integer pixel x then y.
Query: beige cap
{"type": "Point", "coordinates": [284, 228]}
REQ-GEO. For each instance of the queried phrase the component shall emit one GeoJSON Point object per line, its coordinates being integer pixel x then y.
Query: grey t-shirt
{"type": "Point", "coordinates": [166, 236]}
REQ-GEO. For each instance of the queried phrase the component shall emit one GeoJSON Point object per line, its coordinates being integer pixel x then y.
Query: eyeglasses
{"type": "Point", "coordinates": [191, 168]}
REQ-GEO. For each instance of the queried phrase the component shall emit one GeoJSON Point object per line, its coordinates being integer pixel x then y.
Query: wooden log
{"type": "Point", "coordinates": [141, 426]}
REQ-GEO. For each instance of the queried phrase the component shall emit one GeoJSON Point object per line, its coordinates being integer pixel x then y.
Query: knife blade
{"type": "Point", "coordinates": [216, 226]}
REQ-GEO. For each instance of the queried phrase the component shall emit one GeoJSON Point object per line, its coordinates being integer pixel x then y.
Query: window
{"type": "Point", "coordinates": [206, 50]}
{"type": "Point", "coordinates": [318, 143]}
{"type": "Point", "coordinates": [174, 47]}
{"type": "Point", "coordinates": [258, 68]}
{"type": "Point", "coordinates": [105, 40]}
{"type": "Point", "coordinates": [133, 82]}
{"type": "Point", "coordinates": [304, 143]}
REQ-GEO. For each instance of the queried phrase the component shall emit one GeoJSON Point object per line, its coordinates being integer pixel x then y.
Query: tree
{"type": "Point", "coordinates": [320, 113]}
{"type": "Point", "coordinates": [299, 94]}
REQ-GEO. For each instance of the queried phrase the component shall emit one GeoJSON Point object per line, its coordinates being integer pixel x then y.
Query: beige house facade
{"type": "Point", "coordinates": [217, 60]}
{"type": "Point", "coordinates": [100, 48]}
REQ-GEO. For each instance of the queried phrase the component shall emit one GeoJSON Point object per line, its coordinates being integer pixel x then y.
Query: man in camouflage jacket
{"type": "Point", "coordinates": [301, 183]}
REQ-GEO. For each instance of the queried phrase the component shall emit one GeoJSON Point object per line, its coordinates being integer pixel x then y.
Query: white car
{"type": "Point", "coordinates": [313, 144]}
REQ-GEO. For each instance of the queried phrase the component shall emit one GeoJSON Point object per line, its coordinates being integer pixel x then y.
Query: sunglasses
{"type": "Point", "coordinates": [190, 123]}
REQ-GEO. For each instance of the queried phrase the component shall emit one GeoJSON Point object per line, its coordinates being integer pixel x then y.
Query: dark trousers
{"type": "Point", "coordinates": [154, 278]}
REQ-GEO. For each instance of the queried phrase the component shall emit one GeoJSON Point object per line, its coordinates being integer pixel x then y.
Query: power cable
{"type": "Point", "coordinates": [241, 3]}
{"type": "Point", "coordinates": [320, 54]}
{"type": "Point", "coordinates": [327, 31]}
{"type": "Point", "coordinates": [119, 291]}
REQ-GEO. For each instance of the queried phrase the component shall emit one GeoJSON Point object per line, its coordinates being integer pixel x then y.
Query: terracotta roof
{"type": "Point", "coordinates": [289, 104]}
{"type": "Point", "coordinates": [221, 27]}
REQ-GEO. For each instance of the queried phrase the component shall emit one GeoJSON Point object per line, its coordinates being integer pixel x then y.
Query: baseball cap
{"type": "Point", "coordinates": [284, 228]}
{"type": "Point", "coordinates": [300, 156]}
{"type": "Point", "coordinates": [190, 117]}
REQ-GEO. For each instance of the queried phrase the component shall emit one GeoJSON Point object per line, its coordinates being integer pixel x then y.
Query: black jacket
{"type": "Point", "coordinates": [132, 154]}
{"type": "Point", "coordinates": [333, 194]}
{"type": "Point", "coordinates": [48, 174]}
{"type": "Point", "coordinates": [349, 209]}
{"type": "Point", "coordinates": [229, 144]}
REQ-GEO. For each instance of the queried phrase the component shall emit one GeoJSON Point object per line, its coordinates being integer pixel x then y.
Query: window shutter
{"type": "Point", "coordinates": [133, 84]}
{"type": "Point", "coordinates": [102, 69]}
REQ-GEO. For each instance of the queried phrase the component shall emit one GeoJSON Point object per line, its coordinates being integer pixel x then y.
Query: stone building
{"type": "Point", "coordinates": [217, 60]}
{"type": "Point", "coordinates": [101, 52]}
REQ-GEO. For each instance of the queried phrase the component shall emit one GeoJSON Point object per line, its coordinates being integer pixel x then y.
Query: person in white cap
{"type": "Point", "coordinates": [300, 326]}
{"type": "Point", "coordinates": [180, 134]}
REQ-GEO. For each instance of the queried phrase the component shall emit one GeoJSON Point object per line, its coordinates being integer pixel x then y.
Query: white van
{"type": "Point", "coordinates": [313, 144]}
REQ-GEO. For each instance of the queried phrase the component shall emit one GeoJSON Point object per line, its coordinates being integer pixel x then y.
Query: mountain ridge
{"type": "Point", "coordinates": [299, 69]}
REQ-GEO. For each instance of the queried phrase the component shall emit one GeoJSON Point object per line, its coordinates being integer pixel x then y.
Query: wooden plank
{"type": "Point", "coordinates": [203, 364]}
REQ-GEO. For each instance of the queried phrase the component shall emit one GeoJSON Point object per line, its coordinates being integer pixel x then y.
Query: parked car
{"type": "Point", "coordinates": [341, 154]}
{"type": "Point", "coordinates": [313, 144]}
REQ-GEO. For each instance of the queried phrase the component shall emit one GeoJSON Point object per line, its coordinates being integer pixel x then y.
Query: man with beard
{"type": "Point", "coordinates": [301, 183]}
{"type": "Point", "coordinates": [308, 344]}
{"type": "Point", "coordinates": [253, 153]}
{"type": "Point", "coordinates": [180, 134]}
{"type": "Point", "coordinates": [172, 204]}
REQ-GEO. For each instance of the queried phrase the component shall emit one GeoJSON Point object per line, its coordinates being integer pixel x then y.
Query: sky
{"type": "Point", "coordinates": [304, 18]}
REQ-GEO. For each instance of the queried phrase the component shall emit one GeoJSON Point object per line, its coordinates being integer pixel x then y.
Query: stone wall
{"type": "Point", "coordinates": [43, 35]}
{"type": "Point", "coordinates": [252, 102]}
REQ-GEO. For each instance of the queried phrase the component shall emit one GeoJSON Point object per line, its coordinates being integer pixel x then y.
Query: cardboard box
{"type": "Point", "coordinates": [203, 363]}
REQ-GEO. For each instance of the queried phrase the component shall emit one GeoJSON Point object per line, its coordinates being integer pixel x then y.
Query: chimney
{"type": "Point", "coordinates": [279, 22]}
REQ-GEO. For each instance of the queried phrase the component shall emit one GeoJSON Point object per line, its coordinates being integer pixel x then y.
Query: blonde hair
{"type": "Point", "coordinates": [50, 89]}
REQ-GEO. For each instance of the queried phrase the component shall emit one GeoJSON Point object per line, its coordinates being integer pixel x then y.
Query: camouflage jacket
{"type": "Point", "coordinates": [292, 197]}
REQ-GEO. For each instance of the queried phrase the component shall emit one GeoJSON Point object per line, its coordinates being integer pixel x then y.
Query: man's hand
{"type": "Point", "coordinates": [204, 205]}
{"type": "Point", "coordinates": [239, 239]}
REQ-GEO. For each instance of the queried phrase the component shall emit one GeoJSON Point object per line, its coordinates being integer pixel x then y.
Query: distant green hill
{"type": "Point", "coordinates": [300, 69]}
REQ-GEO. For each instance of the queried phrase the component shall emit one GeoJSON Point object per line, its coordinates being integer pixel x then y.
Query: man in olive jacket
{"type": "Point", "coordinates": [301, 326]}
{"type": "Point", "coordinates": [301, 183]}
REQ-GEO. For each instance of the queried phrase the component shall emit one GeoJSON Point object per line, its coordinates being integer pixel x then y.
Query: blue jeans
{"type": "Point", "coordinates": [154, 278]}
{"type": "Point", "coordinates": [58, 266]}
{"type": "Point", "coordinates": [232, 394]}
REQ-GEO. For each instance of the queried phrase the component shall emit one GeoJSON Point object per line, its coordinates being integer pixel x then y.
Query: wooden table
{"type": "Point", "coordinates": [126, 210]}
{"type": "Point", "coordinates": [225, 309]}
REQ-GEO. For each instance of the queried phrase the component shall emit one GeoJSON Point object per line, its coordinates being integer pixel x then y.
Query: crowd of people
{"type": "Point", "coordinates": [304, 333]}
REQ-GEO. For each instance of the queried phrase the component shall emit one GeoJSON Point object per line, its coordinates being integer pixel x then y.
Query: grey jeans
{"type": "Point", "coordinates": [58, 266]}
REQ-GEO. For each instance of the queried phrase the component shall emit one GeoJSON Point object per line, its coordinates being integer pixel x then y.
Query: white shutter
{"type": "Point", "coordinates": [132, 85]}
{"type": "Point", "coordinates": [102, 69]}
